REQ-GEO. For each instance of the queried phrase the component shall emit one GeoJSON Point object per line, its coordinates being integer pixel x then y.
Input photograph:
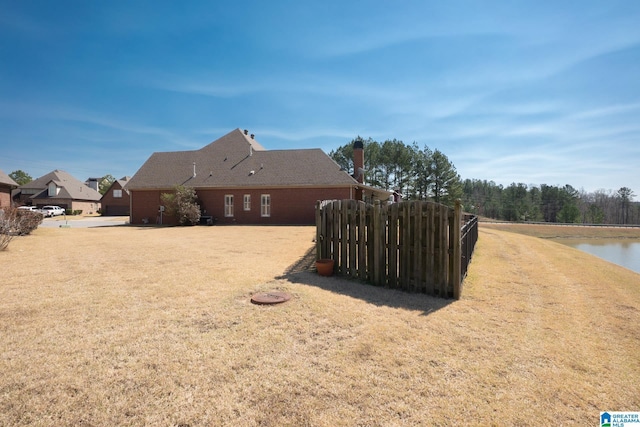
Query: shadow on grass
{"type": "Point", "coordinates": [303, 272]}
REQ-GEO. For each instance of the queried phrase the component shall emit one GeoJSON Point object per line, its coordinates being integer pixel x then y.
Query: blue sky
{"type": "Point", "coordinates": [540, 92]}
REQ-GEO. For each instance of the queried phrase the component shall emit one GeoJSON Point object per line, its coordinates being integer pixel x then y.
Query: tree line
{"type": "Point", "coordinates": [550, 203]}
{"type": "Point", "coordinates": [415, 173]}
{"type": "Point", "coordinates": [420, 173]}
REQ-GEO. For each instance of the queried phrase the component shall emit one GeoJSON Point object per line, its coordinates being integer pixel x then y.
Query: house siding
{"type": "Point", "coordinates": [85, 207]}
{"type": "Point", "coordinates": [5, 196]}
{"type": "Point", "coordinates": [288, 205]}
{"type": "Point", "coordinates": [144, 205]}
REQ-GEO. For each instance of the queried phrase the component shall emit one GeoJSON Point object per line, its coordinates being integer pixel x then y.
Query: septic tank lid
{"type": "Point", "coordinates": [270, 297]}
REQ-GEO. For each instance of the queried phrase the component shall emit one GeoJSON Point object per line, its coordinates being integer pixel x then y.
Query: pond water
{"type": "Point", "coordinates": [618, 251]}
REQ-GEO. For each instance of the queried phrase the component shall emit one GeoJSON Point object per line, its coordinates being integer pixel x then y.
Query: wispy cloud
{"type": "Point", "coordinates": [66, 113]}
{"type": "Point", "coordinates": [207, 88]}
{"type": "Point", "coordinates": [607, 111]}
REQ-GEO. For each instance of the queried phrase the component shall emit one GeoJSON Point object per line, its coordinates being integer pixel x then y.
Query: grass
{"type": "Point", "coordinates": [135, 326]}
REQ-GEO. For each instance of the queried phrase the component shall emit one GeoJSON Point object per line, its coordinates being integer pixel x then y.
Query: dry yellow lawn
{"type": "Point", "coordinates": [128, 326]}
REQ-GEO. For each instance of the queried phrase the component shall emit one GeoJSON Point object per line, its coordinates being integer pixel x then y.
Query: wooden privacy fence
{"type": "Point", "coordinates": [413, 246]}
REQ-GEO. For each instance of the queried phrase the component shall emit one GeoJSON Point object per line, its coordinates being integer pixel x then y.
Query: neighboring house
{"type": "Point", "coordinates": [60, 189]}
{"type": "Point", "coordinates": [6, 185]}
{"type": "Point", "coordinates": [238, 181]}
{"type": "Point", "coordinates": [115, 200]}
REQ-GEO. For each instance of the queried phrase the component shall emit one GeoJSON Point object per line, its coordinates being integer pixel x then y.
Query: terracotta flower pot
{"type": "Point", "coordinates": [324, 267]}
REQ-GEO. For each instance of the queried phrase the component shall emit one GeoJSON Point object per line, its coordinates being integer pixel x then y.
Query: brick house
{"type": "Point", "coordinates": [6, 185]}
{"type": "Point", "coordinates": [237, 181]}
{"type": "Point", "coordinates": [115, 201]}
{"type": "Point", "coordinates": [58, 188]}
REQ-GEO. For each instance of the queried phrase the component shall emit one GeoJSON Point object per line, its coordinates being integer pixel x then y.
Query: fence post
{"type": "Point", "coordinates": [362, 239]}
{"type": "Point", "coordinates": [375, 268]}
{"type": "Point", "coordinates": [417, 284]}
{"type": "Point", "coordinates": [344, 237]}
{"type": "Point", "coordinates": [319, 235]}
{"type": "Point", "coordinates": [457, 250]}
{"type": "Point", "coordinates": [392, 250]}
{"type": "Point", "coordinates": [337, 221]}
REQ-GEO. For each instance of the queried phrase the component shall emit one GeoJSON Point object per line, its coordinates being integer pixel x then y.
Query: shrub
{"type": "Point", "coordinates": [29, 221]}
{"type": "Point", "coordinates": [189, 214]}
{"type": "Point", "coordinates": [16, 222]}
{"type": "Point", "coordinates": [182, 204]}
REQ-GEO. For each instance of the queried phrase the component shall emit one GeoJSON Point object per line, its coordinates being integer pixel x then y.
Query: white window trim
{"type": "Point", "coordinates": [247, 202]}
{"type": "Point", "coordinates": [228, 207]}
{"type": "Point", "coordinates": [265, 208]}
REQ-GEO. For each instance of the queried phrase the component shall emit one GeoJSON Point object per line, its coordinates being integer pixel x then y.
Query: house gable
{"type": "Point", "coordinates": [53, 189]}
{"type": "Point", "coordinates": [115, 200]}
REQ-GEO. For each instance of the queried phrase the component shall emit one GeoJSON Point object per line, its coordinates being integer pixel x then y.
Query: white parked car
{"type": "Point", "coordinates": [51, 211]}
{"type": "Point", "coordinates": [29, 208]}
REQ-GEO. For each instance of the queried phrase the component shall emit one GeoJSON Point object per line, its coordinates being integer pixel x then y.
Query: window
{"type": "Point", "coordinates": [265, 205]}
{"type": "Point", "coordinates": [247, 202]}
{"type": "Point", "coordinates": [228, 205]}
{"type": "Point", "coordinates": [52, 189]}
{"type": "Point", "coordinates": [117, 194]}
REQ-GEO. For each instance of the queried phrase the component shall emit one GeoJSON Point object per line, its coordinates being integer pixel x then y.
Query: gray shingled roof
{"type": "Point", "coordinates": [6, 180]}
{"type": "Point", "coordinates": [71, 188]}
{"type": "Point", "coordinates": [236, 160]}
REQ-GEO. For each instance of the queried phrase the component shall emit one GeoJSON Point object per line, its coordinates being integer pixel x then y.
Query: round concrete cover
{"type": "Point", "coordinates": [270, 298]}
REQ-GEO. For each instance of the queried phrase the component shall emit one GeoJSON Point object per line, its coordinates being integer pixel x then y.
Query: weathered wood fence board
{"type": "Point", "coordinates": [415, 246]}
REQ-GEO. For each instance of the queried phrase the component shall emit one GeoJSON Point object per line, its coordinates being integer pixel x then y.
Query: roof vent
{"type": "Point", "coordinates": [194, 169]}
{"type": "Point", "coordinates": [252, 173]}
{"type": "Point", "coordinates": [246, 132]}
{"type": "Point", "coordinates": [252, 135]}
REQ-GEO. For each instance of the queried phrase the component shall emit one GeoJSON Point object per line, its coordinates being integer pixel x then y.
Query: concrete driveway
{"type": "Point", "coordinates": [84, 222]}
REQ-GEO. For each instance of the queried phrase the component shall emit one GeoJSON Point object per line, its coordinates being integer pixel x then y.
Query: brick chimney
{"type": "Point", "coordinates": [358, 161]}
{"type": "Point", "coordinates": [358, 166]}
